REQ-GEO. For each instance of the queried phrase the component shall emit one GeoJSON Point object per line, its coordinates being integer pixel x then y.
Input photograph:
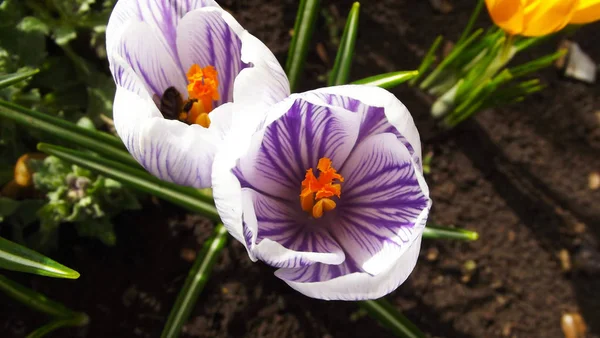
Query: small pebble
{"type": "Point", "coordinates": [573, 325]}
{"type": "Point", "coordinates": [188, 255]}
{"type": "Point", "coordinates": [432, 254]}
{"type": "Point", "coordinates": [565, 260]}
{"type": "Point", "coordinates": [594, 180]}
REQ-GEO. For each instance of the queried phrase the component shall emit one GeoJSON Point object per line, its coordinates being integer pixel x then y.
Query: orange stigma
{"type": "Point", "coordinates": [316, 192]}
{"type": "Point", "coordinates": [202, 88]}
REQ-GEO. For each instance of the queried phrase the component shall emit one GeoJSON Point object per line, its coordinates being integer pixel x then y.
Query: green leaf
{"type": "Point", "coordinates": [471, 22]}
{"type": "Point", "coordinates": [427, 60]}
{"type": "Point", "coordinates": [343, 60]}
{"type": "Point", "coordinates": [391, 318]}
{"type": "Point", "coordinates": [64, 34]}
{"type": "Point", "coordinates": [303, 29]}
{"type": "Point", "coordinates": [79, 320]}
{"type": "Point", "coordinates": [33, 24]}
{"type": "Point", "coordinates": [388, 80]}
{"type": "Point", "coordinates": [16, 257]}
{"type": "Point", "coordinates": [188, 198]}
{"type": "Point", "coordinates": [195, 282]}
{"type": "Point", "coordinates": [10, 79]}
{"type": "Point", "coordinates": [96, 141]}
{"type": "Point", "coordinates": [449, 233]}
{"type": "Point", "coordinates": [35, 300]}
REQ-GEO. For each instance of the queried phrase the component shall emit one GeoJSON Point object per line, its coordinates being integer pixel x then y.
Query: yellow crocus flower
{"type": "Point", "coordinates": [541, 17]}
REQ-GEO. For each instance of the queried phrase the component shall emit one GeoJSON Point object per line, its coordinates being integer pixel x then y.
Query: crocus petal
{"type": "Point", "coordinates": [162, 17]}
{"type": "Point", "coordinates": [146, 56]}
{"type": "Point", "coordinates": [587, 11]}
{"type": "Point", "coordinates": [205, 38]}
{"type": "Point", "coordinates": [367, 101]}
{"type": "Point", "coordinates": [507, 14]}
{"type": "Point", "coordinates": [300, 135]}
{"type": "Point", "coordinates": [170, 150]}
{"type": "Point", "coordinates": [384, 204]}
{"type": "Point", "coordinates": [342, 282]}
{"type": "Point", "coordinates": [281, 236]}
{"type": "Point", "coordinates": [547, 16]}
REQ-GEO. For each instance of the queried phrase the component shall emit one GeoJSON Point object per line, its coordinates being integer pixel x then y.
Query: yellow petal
{"type": "Point", "coordinates": [507, 14]}
{"type": "Point", "coordinates": [544, 17]}
{"type": "Point", "coordinates": [587, 11]}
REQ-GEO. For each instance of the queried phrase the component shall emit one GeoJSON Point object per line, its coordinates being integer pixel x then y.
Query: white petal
{"type": "Point", "coordinates": [395, 111]}
{"type": "Point", "coordinates": [352, 286]}
{"type": "Point", "coordinates": [161, 16]}
{"type": "Point", "coordinates": [281, 236]}
{"type": "Point", "coordinates": [146, 55]}
{"type": "Point", "coordinates": [260, 86]}
{"type": "Point", "coordinates": [169, 149]}
{"type": "Point", "coordinates": [205, 38]}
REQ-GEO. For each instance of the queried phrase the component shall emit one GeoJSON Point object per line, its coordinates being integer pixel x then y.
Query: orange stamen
{"type": "Point", "coordinates": [315, 192]}
{"type": "Point", "coordinates": [203, 84]}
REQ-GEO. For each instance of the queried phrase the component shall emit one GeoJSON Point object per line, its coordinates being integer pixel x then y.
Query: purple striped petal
{"type": "Point", "coordinates": [146, 56]}
{"type": "Point", "coordinates": [161, 17]}
{"type": "Point", "coordinates": [205, 38]}
{"type": "Point", "coordinates": [281, 154]}
{"type": "Point", "coordinates": [344, 282]}
{"type": "Point", "coordinates": [168, 149]}
{"type": "Point", "coordinates": [283, 236]}
{"type": "Point", "coordinates": [380, 112]}
{"type": "Point", "coordinates": [383, 205]}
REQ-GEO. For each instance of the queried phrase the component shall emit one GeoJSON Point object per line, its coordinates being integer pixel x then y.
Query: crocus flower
{"type": "Point", "coordinates": [330, 190]}
{"type": "Point", "coordinates": [541, 17]}
{"type": "Point", "coordinates": [181, 69]}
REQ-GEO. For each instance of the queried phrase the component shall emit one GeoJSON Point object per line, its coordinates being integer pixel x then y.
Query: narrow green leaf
{"type": "Point", "coordinates": [388, 80]}
{"type": "Point", "coordinates": [455, 53]}
{"type": "Point", "coordinates": [79, 320]}
{"type": "Point", "coordinates": [190, 199]}
{"type": "Point", "coordinates": [303, 29]}
{"type": "Point", "coordinates": [428, 59]}
{"type": "Point", "coordinates": [471, 22]}
{"type": "Point", "coordinates": [449, 233]}
{"type": "Point", "coordinates": [391, 318]}
{"type": "Point", "coordinates": [34, 300]}
{"type": "Point", "coordinates": [195, 282]}
{"type": "Point", "coordinates": [343, 60]}
{"type": "Point", "coordinates": [537, 64]}
{"type": "Point", "coordinates": [19, 258]}
{"type": "Point", "coordinates": [96, 141]}
{"type": "Point", "coordinates": [11, 79]}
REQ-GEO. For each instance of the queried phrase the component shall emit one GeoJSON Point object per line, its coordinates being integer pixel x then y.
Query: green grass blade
{"type": "Point", "coordinates": [449, 233]}
{"type": "Point", "coordinates": [471, 22]}
{"type": "Point", "coordinates": [391, 318]}
{"type": "Point", "coordinates": [80, 320]}
{"type": "Point", "coordinates": [537, 64]}
{"type": "Point", "coordinates": [195, 282]}
{"type": "Point", "coordinates": [388, 80]}
{"type": "Point", "coordinates": [96, 141]}
{"type": "Point", "coordinates": [11, 79]}
{"type": "Point", "coordinates": [428, 59]}
{"type": "Point", "coordinates": [343, 60]}
{"type": "Point", "coordinates": [34, 300]}
{"type": "Point", "coordinates": [16, 257]}
{"type": "Point", "coordinates": [190, 199]}
{"type": "Point", "coordinates": [306, 19]}
{"type": "Point", "coordinates": [454, 54]}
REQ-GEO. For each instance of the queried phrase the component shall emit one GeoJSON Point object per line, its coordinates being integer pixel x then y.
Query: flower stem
{"type": "Point", "coordinates": [303, 30]}
{"type": "Point", "coordinates": [387, 315]}
{"type": "Point", "coordinates": [195, 282]}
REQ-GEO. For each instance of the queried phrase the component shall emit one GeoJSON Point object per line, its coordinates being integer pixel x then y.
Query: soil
{"type": "Point", "coordinates": [517, 175]}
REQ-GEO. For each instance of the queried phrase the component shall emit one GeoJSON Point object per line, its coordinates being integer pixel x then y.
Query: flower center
{"type": "Point", "coordinates": [316, 192]}
{"type": "Point", "coordinates": [202, 91]}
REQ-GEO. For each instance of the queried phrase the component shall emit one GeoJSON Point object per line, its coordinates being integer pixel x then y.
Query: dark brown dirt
{"type": "Point", "coordinates": [517, 175]}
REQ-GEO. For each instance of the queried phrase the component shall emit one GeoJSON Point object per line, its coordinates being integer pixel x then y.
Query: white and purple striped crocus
{"type": "Point", "coordinates": [328, 188]}
{"type": "Point", "coordinates": [184, 69]}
